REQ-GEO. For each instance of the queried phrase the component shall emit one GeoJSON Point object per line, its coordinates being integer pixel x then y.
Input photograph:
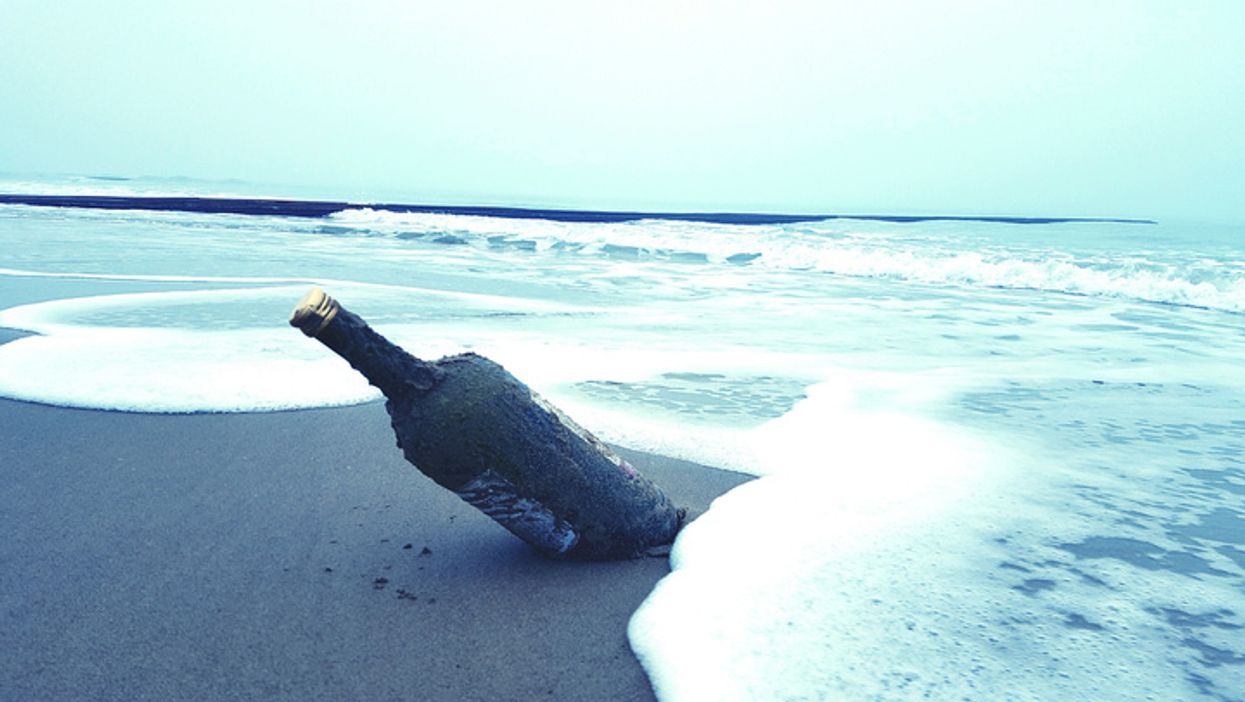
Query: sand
{"type": "Point", "coordinates": [289, 555]}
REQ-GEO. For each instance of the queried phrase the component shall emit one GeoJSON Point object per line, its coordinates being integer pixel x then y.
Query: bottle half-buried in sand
{"type": "Point", "coordinates": [473, 428]}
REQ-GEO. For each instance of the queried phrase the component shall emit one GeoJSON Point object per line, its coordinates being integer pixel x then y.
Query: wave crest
{"type": "Point", "coordinates": [961, 254]}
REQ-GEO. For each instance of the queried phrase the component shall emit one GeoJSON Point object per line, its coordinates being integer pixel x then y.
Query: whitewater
{"type": "Point", "coordinates": [994, 460]}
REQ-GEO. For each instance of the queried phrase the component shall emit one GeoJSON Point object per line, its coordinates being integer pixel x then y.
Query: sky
{"type": "Point", "coordinates": [1086, 108]}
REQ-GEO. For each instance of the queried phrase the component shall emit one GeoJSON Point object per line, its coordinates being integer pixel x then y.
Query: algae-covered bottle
{"type": "Point", "coordinates": [472, 427]}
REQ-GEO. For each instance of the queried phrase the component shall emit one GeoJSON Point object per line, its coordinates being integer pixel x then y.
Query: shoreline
{"type": "Point", "coordinates": [290, 555]}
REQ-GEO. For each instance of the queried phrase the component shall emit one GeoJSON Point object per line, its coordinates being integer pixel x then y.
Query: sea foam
{"type": "Point", "coordinates": [217, 350]}
{"type": "Point", "coordinates": [883, 556]}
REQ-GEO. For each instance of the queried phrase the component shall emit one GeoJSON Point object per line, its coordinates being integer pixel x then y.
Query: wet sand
{"type": "Point", "coordinates": [289, 555]}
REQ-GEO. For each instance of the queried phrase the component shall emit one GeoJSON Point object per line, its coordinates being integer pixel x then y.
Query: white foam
{"type": "Point", "coordinates": [864, 565]}
{"type": "Point", "coordinates": [136, 351]}
{"type": "Point", "coordinates": [839, 480]}
{"type": "Point", "coordinates": [152, 370]}
{"type": "Point", "coordinates": [76, 363]}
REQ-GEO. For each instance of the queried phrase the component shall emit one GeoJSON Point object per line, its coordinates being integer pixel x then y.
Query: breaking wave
{"type": "Point", "coordinates": [965, 254]}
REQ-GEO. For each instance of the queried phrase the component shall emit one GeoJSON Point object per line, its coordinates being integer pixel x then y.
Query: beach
{"type": "Point", "coordinates": [988, 456]}
{"type": "Point", "coordinates": [289, 555]}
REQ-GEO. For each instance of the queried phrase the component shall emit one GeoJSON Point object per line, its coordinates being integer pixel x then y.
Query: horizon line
{"type": "Point", "coordinates": [288, 207]}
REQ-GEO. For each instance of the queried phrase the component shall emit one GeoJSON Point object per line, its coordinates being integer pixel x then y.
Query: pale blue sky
{"type": "Point", "coordinates": [1009, 107]}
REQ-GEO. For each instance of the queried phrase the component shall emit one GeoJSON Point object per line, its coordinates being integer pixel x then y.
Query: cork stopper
{"type": "Point", "coordinates": [314, 312]}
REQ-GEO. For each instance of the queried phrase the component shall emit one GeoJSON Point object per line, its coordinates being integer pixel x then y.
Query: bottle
{"type": "Point", "coordinates": [472, 427]}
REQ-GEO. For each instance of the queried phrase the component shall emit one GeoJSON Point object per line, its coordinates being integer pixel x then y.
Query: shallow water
{"type": "Point", "coordinates": [999, 461]}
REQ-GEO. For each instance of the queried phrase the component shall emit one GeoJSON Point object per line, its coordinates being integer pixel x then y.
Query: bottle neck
{"type": "Point", "coordinates": [385, 364]}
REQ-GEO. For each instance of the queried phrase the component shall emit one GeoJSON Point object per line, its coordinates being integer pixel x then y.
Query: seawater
{"type": "Point", "coordinates": [995, 461]}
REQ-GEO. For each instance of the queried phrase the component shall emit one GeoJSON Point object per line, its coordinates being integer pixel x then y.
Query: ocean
{"type": "Point", "coordinates": [995, 460]}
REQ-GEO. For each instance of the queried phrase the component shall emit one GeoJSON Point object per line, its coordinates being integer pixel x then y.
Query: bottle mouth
{"type": "Point", "coordinates": [314, 312]}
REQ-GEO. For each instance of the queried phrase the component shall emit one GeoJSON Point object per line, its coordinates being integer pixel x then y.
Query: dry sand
{"type": "Point", "coordinates": [290, 555]}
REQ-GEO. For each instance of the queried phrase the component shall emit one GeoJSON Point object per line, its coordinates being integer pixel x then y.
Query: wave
{"type": "Point", "coordinates": [1142, 280]}
{"type": "Point", "coordinates": [900, 252]}
{"type": "Point", "coordinates": [961, 252]}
